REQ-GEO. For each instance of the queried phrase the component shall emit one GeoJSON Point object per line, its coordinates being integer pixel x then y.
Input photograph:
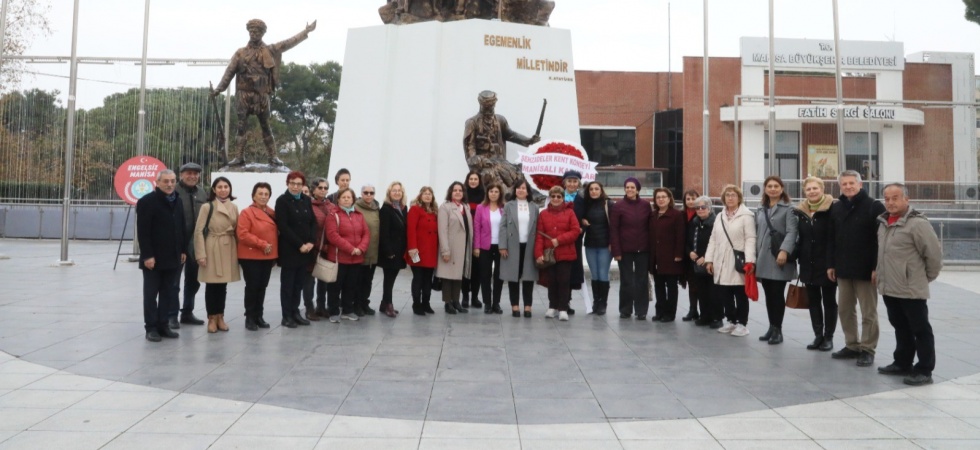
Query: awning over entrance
{"type": "Point", "coordinates": [826, 113]}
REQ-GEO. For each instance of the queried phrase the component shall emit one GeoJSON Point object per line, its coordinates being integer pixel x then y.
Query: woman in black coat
{"type": "Point", "coordinates": [297, 234]}
{"type": "Point", "coordinates": [393, 243]}
{"type": "Point", "coordinates": [814, 223]}
{"type": "Point", "coordinates": [700, 281]}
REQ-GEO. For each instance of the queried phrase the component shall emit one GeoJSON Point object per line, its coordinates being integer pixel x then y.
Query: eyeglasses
{"type": "Point", "coordinates": [295, 183]}
{"type": "Point", "coordinates": [557, 196]}
{"type": "Point", "coordinates": [368, 192]}
{"type": "Point", "coordinates": [702, 207]}
{"type": "Point", "coordinates": [320, 187]}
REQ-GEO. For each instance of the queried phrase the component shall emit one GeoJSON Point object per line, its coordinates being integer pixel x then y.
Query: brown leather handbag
{"type": "Point", "coordinates": [796, 297]}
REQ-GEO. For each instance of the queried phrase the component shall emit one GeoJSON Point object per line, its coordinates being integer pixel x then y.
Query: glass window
{"type": "Point", "coordinates": [610, 147]}
{"type": "Point", "coordinates": [861, 154]}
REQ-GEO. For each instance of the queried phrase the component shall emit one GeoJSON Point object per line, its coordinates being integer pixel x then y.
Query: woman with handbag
{"type": "Point", "coordinates": [557, 229]}
{"type": "Point", "coordinates": [455, 246]}
{"type": "Point", "coordinates": [595, 221]}
{"type": "Point", "coordinates": [629, 244]}
{"type": "Point", "coordinates": [775, 226]}
{"type": "Point", "coordinates": [666, 253]}
{"type": "Point", "coordinates": [321, 209]}
{"type": "Point", "coordinates": [348, 238]}
{"type": "Point", "coordinates": [690, 212]}
{"type": "Point", "coordinates": [392, 246]}
{"type": "Point", "coordinates": [698, 279]}
{"type": "Point", "coordinates": [813, 214]}
{"type": "Point", "coordinates": [730, 255]}
{"type": "Point", "coordinates": [216, 250]}
{"type": "Point", "coordinates": [486, 247]}
{"type": "Point", "coordinates": [517, 238]}
{"type": "Point", "coordinates": [257, 252]}
{"type": "Point", "coordinates": [423, 248]}
{"type": "Point", "coordinates": [297, 233]}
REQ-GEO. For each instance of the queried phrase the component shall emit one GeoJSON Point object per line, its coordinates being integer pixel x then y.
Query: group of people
{"type": "Point", "coordinates": [477, 239]}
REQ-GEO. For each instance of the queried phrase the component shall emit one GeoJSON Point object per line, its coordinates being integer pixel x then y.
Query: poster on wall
{"type": "Point", "coordinates": [822, 161]}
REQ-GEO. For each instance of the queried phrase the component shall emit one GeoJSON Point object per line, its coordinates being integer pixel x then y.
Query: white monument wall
{"type": "Point", "coordinates": [407, 91]}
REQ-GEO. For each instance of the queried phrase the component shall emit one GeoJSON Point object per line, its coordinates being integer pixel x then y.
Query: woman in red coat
{"type": "Point", "coordinates": [258, 248]}
{"type": "Point", "coordinates": [423, 248]}
{"type": "Point", "coordinates": [558, 228]}
{"type": "Point", "coordinates": [347, 241]}
{"type": "Point", "coordinates": [667, 228]}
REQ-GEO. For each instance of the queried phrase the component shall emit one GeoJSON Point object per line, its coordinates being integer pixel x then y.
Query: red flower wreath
{"type": "Point", "coordinates": [544, 182]}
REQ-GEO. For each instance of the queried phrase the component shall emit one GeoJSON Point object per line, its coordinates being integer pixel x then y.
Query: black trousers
{"type": "Point", "coordinates": [516, 287]}
{"type": "Point", "coordinates": [560, 285]}
{"type": "Point", "coordinates": [634, 284]}
{"type": "Point", "coordinates": [365, 284]}
{"type": "Point", "coordinates": [489, 270]}
{"type": "Point", "coordinates": [191, 286]}
{"type": "Point", "coordinates": [342, 293]}
{"type": "Point", "coordinates": [256, 273]}
{"type": "Point", "coordinates": [700, 288]}
{"type": "Point", "coordinates": [913, 333]}
{"type": "Point", "coordinates": [422, 283]}
{"type": "Point", "coordinates": [388, 285]}
{"type": "Point", "coordinates": [775, 292]}
{"type": "Point", "coordinates": [291, 282]}
{"type": "Point", "coordinates": [823, 309]}
{"type": "Point", "coordinates": [734, 301]}
{"type": "Point", "coordinates": [471, 286]}
{"type": "Point", "coordinates": [159, 297]}
{"type": "Point", "coordinates": [215, 295]}
{"type": "Point", "coordinates": [665, 291]}
{"type": "Point", "coordinates": [317, 288]}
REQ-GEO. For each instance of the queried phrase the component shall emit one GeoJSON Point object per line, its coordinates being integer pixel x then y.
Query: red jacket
{"type": "Point", "coordinates": [344, 233]}
{"type": "Point", "coordinates": [423, 234]}
{"type": "Point", "coordinates": [667, 242]}
{"type": "Point", "coordinates": [559, 223]}
{"type": "Point", "coordinates": [256, 229]}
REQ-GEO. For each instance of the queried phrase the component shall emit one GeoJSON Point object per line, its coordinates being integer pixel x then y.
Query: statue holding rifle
{"type": "Point", "coordinates": [485, 142]}
{"type": "Point", "coordinates": [255, 68]}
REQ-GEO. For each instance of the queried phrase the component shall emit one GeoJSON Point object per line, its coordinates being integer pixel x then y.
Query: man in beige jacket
{"type": "Point", "coordinates": [909, 258]}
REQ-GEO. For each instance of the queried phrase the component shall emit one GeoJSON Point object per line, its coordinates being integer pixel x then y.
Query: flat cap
{"type": "Point", "coordinates": [191, 166]}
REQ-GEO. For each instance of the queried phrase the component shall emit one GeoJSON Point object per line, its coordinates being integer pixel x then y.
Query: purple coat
{"type": "Point", "coordinates": [481, 226]}
{"type": "Point", "coordinates": [628, 222]}
{"type": "Point", "coordinates": [667, 242]}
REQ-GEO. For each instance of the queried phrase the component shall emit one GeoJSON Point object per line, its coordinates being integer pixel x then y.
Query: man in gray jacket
{"type": "Point", "coordinates": [191, 196]}
{"type": "Point", "coordinates": [909, 258]}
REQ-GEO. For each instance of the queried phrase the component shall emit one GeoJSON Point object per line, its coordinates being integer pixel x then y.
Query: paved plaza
{"type": "Point", "coordinates": [76, 372]}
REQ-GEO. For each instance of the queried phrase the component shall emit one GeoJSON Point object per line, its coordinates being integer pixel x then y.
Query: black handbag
{"type": "Point", "coordinates": [739, 255]}
{"type": "Point", "coordinates": [775, 237]}
{"type": "Point", "coordinates": [436, 283]}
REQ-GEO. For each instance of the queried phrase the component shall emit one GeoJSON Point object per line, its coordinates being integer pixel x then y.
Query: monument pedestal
{"type": "Point", "coordinates": [407, 91]}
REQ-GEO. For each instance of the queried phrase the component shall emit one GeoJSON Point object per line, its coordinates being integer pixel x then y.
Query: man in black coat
{"type": "Point", "coordinates": [191, 197]}
{"type": "Point", "coordinates": [852, 254]}
{"type": "Point", "coordinates": [163, 247]}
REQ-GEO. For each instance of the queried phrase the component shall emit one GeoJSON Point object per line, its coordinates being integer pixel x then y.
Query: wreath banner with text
{"type": "Point", "coordinates": [545, 163]}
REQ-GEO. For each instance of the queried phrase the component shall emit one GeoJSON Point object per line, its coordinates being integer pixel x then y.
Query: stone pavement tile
{"type": "Point", "coordinates": [18, 380]}
{"type": "Point", "coordinates": [638, 375]}
{"type": "Point", "coordinates": [58, 439]}
{"type": "Point", "coordinates": [663, 408]}
{"type": "Point", "coordinates": [931, 428]}
{"type": "Point", "coordinates": [849, 428]}
{"type": "Point", "coordinates": [13, 365]}
{"type": "Point", "coordinates": [943, 392]}
{"type": "Point", "coordinates": [202, 403]}
{"type": "Point", "coordinates": [188, 422]}
{"type": "Point", "coordinates": [4, 435]}
{"type": "Point", "coordinates": [552, 411]}
{"type": "Point", "coordinates": [545, 373]}
{"type": "Point", "coordinates": [490, 375]}
{"type": "Point", "coordinates": [438, 429]}
{"type": "Point", "coordinates": [470, 389]}
{"type": "Point", "coordinates": [462, 409]}
{"type": "Point", "coordinates": [963, 409]}
{"type": "Point", "coordinates": [263, 420]}
{"type": "Point", "coordinates": [699, 444]}
{"type": "Point", "coordinates": [894, 407]}
{"type": "Point", "coordinates": [748, 444]}
{"type": "Point", "coordinates": [69, 382]}
{"type": "Point", "coordinates": [369, 427]}
{"type": "Point", "coordinates": [375, 389]}
{"type": "Point", "coordinates": [867, 444]}
{"type": "Point", "coordinates": [364, 443]}
{"type": "Point", "coordinates": [42, 399]}
{"type": "Point", "coordinates": [570, 444]}
{"type": "Point", "coordinates": [832, 409]}
{"type": "Point", "coordinates": [401, 407]}
{"type": "Point", "coordinates": [19, 419]}
{"type": "Point", "coordinates": [119, 386]}
{"type": "Point", "coordinates": [529, 389]}
{"type": "Point", "coordinates": [661, 430]}
{"type": "Point", "coordinates": [725, 428]}
{"type": "Point", "coordinates": [379, 373]}
{"type": "Point", "coordinates": [580, 431]}
{"type": "Point", "coordinates": [294, 398]}
{"type": "Point", "coordinates": [708, 407]}
{"type": "Point", "coordinates": [469, 444]}
{"type": "Point", "coordinates": [947, 444]}
{"type": "Point", "coordinates": [125, 401]}
{"type": "Point", "coordinates": [90, 420]}
{"type": "Point", "coordinates": [264, 442]}
{"type": "Point", "coordinates": [161, 441]}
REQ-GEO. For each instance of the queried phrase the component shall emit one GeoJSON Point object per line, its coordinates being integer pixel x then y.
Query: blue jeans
{"type": "Point", "coordinates": [599, 260]}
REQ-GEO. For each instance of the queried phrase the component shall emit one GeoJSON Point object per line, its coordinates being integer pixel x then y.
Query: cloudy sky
{"type": "Point", "coordinates": [630, 36]}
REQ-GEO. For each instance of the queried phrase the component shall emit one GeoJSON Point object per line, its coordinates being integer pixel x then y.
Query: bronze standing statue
{"type": "Point", "coordinates": [485, 143]}
{"type": "Point", "coordinates": [255, 68]}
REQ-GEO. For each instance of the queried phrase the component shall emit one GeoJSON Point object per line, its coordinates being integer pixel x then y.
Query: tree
{"type": "Point", "coordinates": [26, 20]}
{"type": "Point", "coordinates": [306, 105]}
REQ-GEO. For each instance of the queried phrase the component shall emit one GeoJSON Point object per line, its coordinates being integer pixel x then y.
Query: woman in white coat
{"type": "Point", "coordinates": [734, 230]}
